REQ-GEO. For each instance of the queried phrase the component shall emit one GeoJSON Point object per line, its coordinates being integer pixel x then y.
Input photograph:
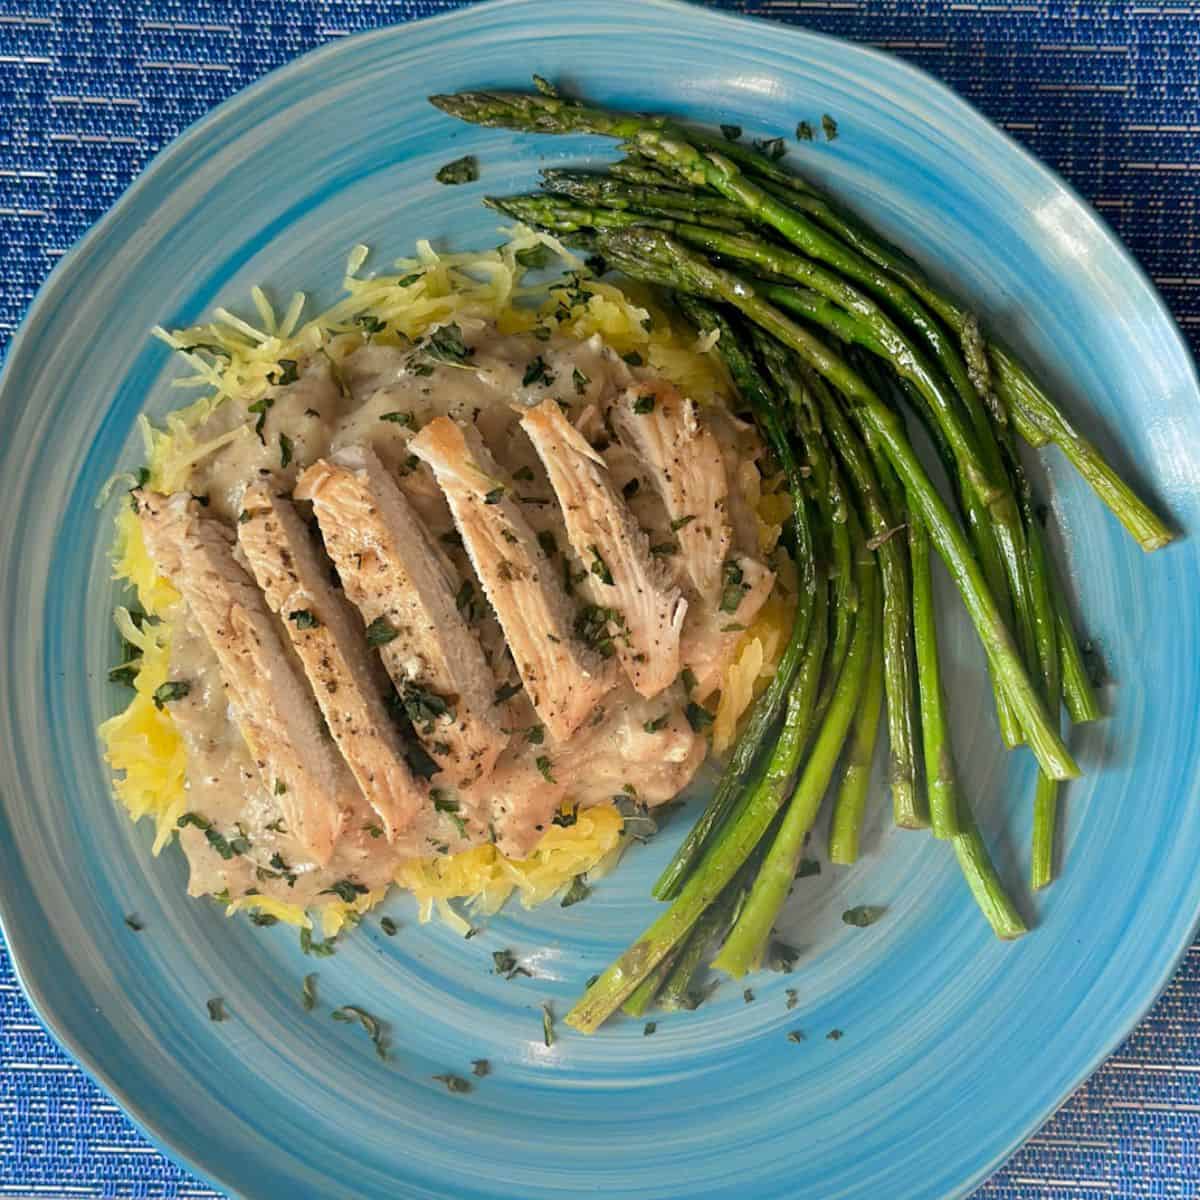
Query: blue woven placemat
{"type": "Point", "coordinates": [1106, 91]}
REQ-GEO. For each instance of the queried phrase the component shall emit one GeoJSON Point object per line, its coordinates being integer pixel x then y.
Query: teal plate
{"type": "Point", "coordinates": [953, 1046]}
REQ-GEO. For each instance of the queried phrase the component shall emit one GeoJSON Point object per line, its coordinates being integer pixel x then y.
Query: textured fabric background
{"type": "Point", "coordinates": [1106, 91]}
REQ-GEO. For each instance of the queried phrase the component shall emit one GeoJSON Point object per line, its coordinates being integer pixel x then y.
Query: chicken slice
{"type": "Point", "coordinates": [329, 641]}
{"type": "Point", "coordinates": [642, 608]}
{"type": "Point", "coordinates": [563, 677]}
{"type": "Point", "coordinates": [270, 699]}
{"type": "Point", "coordinates": [646, 745]}
{"type": "Point", "coordinates": [687, 469]}
{"type": "Point", "coordinates": [404, 590]}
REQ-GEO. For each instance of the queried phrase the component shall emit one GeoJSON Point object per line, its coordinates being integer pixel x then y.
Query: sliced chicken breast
{"type": "Point", "coordinates": [329, 640]}
{"type": "Point", "coordinates": [684, 461]}
{"type": "Point", "coordinates": [631, 592]}
{"type": "Point", "coordinates": [270, 699]}
{"type": "Point", "coordinates": [407, 595]}
{"type": "Point", "coordinates": [563, 677]}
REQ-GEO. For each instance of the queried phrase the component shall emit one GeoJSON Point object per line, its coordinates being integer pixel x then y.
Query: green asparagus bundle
{"type": "Point", "coordinates": [832, 336]}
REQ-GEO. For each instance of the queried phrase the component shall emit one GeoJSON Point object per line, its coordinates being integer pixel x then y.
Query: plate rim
{"type": "Point", "coordinates": [37, 996]}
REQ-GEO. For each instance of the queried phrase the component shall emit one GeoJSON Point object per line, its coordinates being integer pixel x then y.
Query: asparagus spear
{"type": "Point", "coordinates": [851, 799]}
{"type": "Point", "coordinates": [1078, 693]}
{"type": "Point", "coordinates": [744, 946]}
{"type": "Point", "coordinates": [644, 995]}
{"type": "Point", "coordinates": [651, 256]}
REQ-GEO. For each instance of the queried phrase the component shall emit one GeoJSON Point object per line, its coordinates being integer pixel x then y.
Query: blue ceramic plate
{"type": "Point", "coordinates": [954, 1047]}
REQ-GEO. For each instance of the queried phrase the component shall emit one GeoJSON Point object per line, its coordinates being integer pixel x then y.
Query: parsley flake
{"type": "Point", "coordinates": [461, 170]}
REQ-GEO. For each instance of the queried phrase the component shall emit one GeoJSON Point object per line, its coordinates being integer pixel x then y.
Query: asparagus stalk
{"type": "Point", "coordinates": [651, 256]}
{"type": "Point", "coordinates": [743, 947]}
{"type": "Point", "coordinates": [851, 799]}
{"type": "Point", "coordinates": [883, 528]}
{"type": "Point", "coordinates": [1078, 692]}
{"type": "Point", "coordinates": [940, 777]}
{"type": "Point", "coordinates": [725, 854]}
{"type": "Point", "coordinates": [644, 995]}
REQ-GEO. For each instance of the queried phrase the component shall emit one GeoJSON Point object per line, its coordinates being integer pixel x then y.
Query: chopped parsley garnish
{"type": "Point", "coordinates": [643, 404]}
{"type": "Point", "coordinates": [374, 1029]}
{"type": "Point", "coordinates": [773, 148]}
{"type": "Point", "coordinates": [173, 689]}
{"type": "Point", "coordinates": [547, 542]}
{"type": "Point", "coordinates": [793, 998]}
{"type": "Point", "coordinates": [698, 718]}
{"type": "Point", "coordinates": [422, 707]}
{"type": "Point", "coordinates": [125, 674]}
{"type": "Point", "coordinates": [446, 343]}
{"type": "Point", "coordinates": [534, 258]}
{"type": "Point", "coordinates": [735, 586]}
{"type": "Point", "coordinates": [688, 676]}
{"type": "Point", "coordinates": [804, 131]}
{"type": "Point", "coordinates": [455, 1084]}
{"type": "Point", "coordinates": [480, 1067]}
{"type": "Point", "coordinates": [680, 522]}
{"type": "Point", "coordinates": [494, 496]}
{"type": "Point", "coordinates": [263, 919]}
{"type": "Point", "coordinates": [369, 324]}
{"type": "Point", "coordinates": [543, 764]}
{"type": "Point", "coordinates": [308, 993]}
{"type": "Point", "coordinates": [580, 380]}
{"type": "Point", "coordinates": [795, 1035]}
{"type": "Point", "coordinates": [834, 1035]}
{"type": "Point", "coordinates": [216, 1009]}
{"type": "Point", "coordinates": [505, 964]}
{"type": "Point", "coordinates": [748, 996]}
{"type": "Point", "coordinates": [245, 516]}
{"type": "Point", "coordinates": [631, 488]}
{"type": "Point", "coordinates": [372, 830]}
{"type": "Point", "coordinates": [546, 87]}
{"type": "Point", "coordinates": [649, 1028]}
{"type": "Point", "coordinates": [781, 957]}
{"type": "Point", "coordinates": [524, 474]}
{"type": "Point", "coordinates": [633, 358]}
{"type": "Point", "coordinates": [657, 723]}
{"type": "Point", "coordinates": [537, 372]}
{"type": "Point", "coordinates": [547, 1023]}
{"type": "Point", "coordinates": [285, 450]}
{"type": "Point", "coordinates": [591, 628]}
{"type": "Point", "coordinates": [388, 926]}
{"type": "Point", "coordinates": [381, 631]}
{"type": "Point", "coordinates": [132, 921]}
{"type": "Point", "coordinates": [599, 567]}
{"type": "Point", "coordinates": [731, 133]}
{"type": "Point", "coordinates": [316, 949]}
{"type": "Point", "coordinates": [535, 735]}
{"type": "Point", "coordinates": [830, 127]}
{"type": "Point", "coordinates": [400, 418]}
{"type": "Point", "coordinates": [578, 891]}
{"type": "Point", "coordinates": [280, 788]}
{"type": "Point", "coordinates": [409, 280]}
{"type": "Point", "coordinates": [288, 373]}
{"type": "Point", "coordinates": [441, 802]}
{"type": "Point", "coordinates": [304, 619]}
{"type": "Point", "coordinates": [807, 867]}
{"type": "Point", "coordinates": [863, 915]}
{"type": "Point", "coordinates": [346, 889]}
{"type": "Point", "coordinates": [461, 170]}
{"type": "Point", "coordinates": [506, 692]}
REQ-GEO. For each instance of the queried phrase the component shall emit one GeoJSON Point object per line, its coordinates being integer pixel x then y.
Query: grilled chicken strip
{"type": "Point", "coordinates": [404, 590]}
{"type": "Point", "coordinates": [563, 678]}
{"type": "Point", "coordinates": [641, 607]}
{"type": "Point", "coordinates": [329, 640]}
{"type": "Point", "coordinates": [685, 464]}
{"type": "Point", "coordinates": [270, 699]}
